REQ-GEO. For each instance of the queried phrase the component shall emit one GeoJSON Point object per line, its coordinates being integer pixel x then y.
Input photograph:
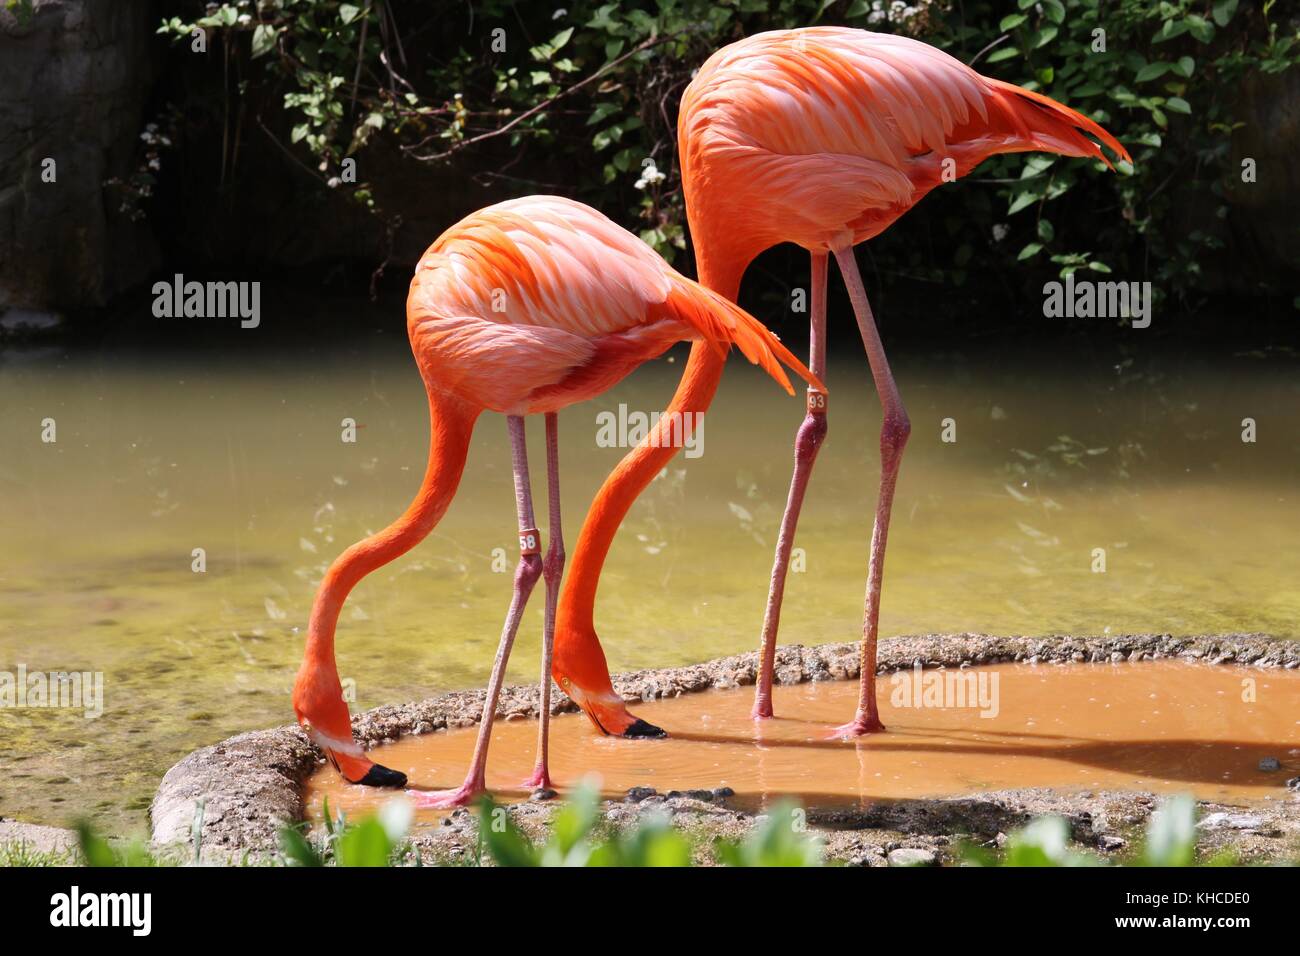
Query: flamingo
{"type": "Point", "coordinates": [522, 308]}
{"type": "Point", "coordinates": [823, 137]}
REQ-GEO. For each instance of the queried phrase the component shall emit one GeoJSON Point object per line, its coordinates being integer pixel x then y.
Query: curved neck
{"type": "Point", "coordinates": [637, 469]}
{"type": "Point", "coordinates": [451, 422]}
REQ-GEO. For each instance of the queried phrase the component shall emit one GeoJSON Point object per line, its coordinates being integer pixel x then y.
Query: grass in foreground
{"type": "Point", "coordinates": [579, 836]}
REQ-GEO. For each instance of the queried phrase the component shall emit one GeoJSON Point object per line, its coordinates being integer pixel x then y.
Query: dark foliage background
{"type": "Point", "coordinates": [329, 143]}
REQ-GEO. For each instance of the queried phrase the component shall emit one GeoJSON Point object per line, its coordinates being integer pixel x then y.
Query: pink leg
{"type": "Point", "coordinates": [552, 571]}
{"type": "Point", "coordinates": [893, 436]}
{"type": "Point", "coordinates": [807, 441]}
{"type": "Point", "coordinates": [527, 572]}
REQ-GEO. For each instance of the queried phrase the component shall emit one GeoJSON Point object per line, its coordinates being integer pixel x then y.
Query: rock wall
{"type": "Point", "coordinates": [74, 75]}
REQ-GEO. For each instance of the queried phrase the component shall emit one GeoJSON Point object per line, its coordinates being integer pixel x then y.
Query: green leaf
{"type": "Point", "coordinates": [297, 850]}
{"type": "Point", "coordinates": [1044, 842]}
{"type": "Point", "coordinates": [365, 844]}
{"type": "Point", "coordinates": [1029, 251]}
{"type": "Point", "coordinates": [602, 112]}
{"type": "Point", "coordinates": [1152, 71]}
{"type": "Point", "coordinates": [557, 42]}
{"type": "Point", "coordinates": [1171, 835]}
{"type": "Point", "coordinates": [348, 12]}
{"type": "Point", "coordinates": [1223, 11]}
{"type": "Point", "coordinates": [1170, 29]}
{"type": "Point", "coordinates": [1200, 28]}
{"type": "Point", "coordinates": [1003, 53]}
{"type": "Point", "coordinates": [1045, 36]}
{"type": "Point", "coordinates": [263, 39]}
{"type": "Point", "coordinates": [1022, 201]}
{"type": "Point", "coordinates": [505, 842]}
{"type": "Point", "coordinates": [1184, 66]}
{"type": "Point", "coordinates": [1045, 230]}
{"type": "Point", "coordinates": [1177, 104]}
{"type": "Point", "coordinates": [1026, 4]}
{"type": "Point", "coordinates": [1011, 21]}
{"type": "Point", "coordinates": [94, 848]}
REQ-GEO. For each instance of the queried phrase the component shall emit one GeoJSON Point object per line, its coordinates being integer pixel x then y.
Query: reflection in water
{"type": "Point", "coordinates": [1163, 726]}
{"type": "Point", "coordinates": [993, 532]}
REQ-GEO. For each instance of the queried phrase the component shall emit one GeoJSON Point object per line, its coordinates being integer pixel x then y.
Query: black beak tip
{"type": "Point", "coordinates": [381, 776]}
{"type": "Point", "coordinates": [642, 729]}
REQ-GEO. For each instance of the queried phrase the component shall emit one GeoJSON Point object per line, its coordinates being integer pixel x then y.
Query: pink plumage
{"type": "Point", "coordinates": [536, 303]}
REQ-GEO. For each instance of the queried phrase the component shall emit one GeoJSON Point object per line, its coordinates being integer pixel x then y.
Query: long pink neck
{"type": "Point", "coordinates": [578, 654]}
{"type": "Point", "coordinates": [451, 422]}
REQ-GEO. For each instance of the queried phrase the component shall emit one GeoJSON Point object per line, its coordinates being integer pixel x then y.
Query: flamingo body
{"type": "Point", "coordinates": [524, 307]}
{"type": "Point", "coordinates": [825, 136]}
{"type": "Point", "coordinates": [535, 304]}
{"type": "Point", "coordinates": [822, 137]}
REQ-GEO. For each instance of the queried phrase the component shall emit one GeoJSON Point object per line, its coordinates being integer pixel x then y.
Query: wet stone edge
{"type": "Point", "coordinates": [252, 783]}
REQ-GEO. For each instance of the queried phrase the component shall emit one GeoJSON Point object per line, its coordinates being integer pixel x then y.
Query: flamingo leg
{"type": "Point", "coordinates": [527, 572]}
{"type": "Point", "coordinates": [552, 572]}
{"type": "Point", "coordinates": [807, 441]}
{"type": "Point", "coordinates": [894, 430]}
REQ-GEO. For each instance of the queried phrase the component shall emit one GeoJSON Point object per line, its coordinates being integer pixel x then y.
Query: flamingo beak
{"type": "Point", "coordinates": [609, 714]}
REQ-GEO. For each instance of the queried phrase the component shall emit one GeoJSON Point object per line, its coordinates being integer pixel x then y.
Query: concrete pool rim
{"type": "Point", "coordinates": [253, 783]}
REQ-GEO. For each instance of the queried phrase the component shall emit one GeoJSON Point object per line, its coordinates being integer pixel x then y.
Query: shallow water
{"type": "Point", "coordinates": [158, 455]}
{"type": "Point", "coordinates": [1164, 726]}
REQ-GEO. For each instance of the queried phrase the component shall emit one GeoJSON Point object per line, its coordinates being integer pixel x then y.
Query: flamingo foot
{"type": "Point", "coordinates": [462, 796]}
{"type": "Point", "coordinates": [540, 779]}
{"type": "Point", "coordinates": [762, 710]}
{"type": "Point", "coordinates": [859, 726]}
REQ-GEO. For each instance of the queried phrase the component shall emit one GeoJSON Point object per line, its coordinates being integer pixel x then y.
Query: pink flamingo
{"type": "Point", "coordinates": [522, 308]}
{"type": "Point", "coordinates": [822, 137]}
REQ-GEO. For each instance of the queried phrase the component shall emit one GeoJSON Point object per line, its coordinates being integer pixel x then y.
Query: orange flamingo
{"type": "Point", "coordinates": [522, 308]}
{"type": "Point", "coordinates": [822, 137]}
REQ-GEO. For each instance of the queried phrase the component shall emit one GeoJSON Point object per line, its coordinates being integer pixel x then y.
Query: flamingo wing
{"type": "Point", "coordinates": [827, 123]}
{"type": "Point", "coordinates": [543, 301]}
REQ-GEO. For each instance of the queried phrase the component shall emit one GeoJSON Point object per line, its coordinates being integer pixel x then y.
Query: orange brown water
{"type": "Point", "coordinates": [1160, 726]}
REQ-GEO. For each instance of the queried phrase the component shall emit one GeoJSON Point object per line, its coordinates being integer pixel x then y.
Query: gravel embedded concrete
{"type": "Point", "coordinates": [253, 783]}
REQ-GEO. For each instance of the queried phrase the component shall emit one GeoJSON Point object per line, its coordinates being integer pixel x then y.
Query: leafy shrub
{"type": "Point", "coordinates": [589, 95]}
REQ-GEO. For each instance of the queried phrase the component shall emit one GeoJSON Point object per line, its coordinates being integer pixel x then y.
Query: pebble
{"type": "Point", "coordinates": [1270, 764]}
{"type": "Point", "coordinates": [722, 793]}
{"type": "Point", "coordinates": [870, 855]}
{"type": "Point", "coordinates": [543, 793]}
{"type": "Point", "coordinates": [1231, 821]}
{"type": "Point", "coordinates": [1108, 841]}
{"type": "Point", "coordinates": [637, 794]}
{"type": "Point", "coordinates": [911, 856]}
{"type": "Point", "coordinates": [1293, 784]}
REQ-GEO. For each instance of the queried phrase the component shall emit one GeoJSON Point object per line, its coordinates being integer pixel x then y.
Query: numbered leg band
{"type": "Point", "coordinates": [816, 401]}
{"type": "Point", "coordinates": [530, 542]}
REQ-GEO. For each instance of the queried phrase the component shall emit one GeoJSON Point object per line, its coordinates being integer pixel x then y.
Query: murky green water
{"type": "Point", "coordinates": [993, 532]}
